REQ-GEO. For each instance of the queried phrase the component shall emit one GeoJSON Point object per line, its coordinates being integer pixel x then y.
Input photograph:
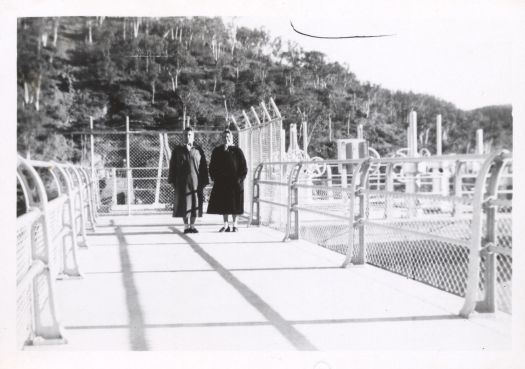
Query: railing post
{"type": "Point", "coordinates": [78, 191]}
{"type": "Point", "coordinates": [90, 203]}
{"type": "Point", "coordinates": [389, 199]}
{"type": "Point", "coordinates": [471, 293]}
{"type": "Point", "coordinates": [74, 270]}
{"type": "Point", "coordinates": [52, 331]}
{"type": "Point", "coordinates": [488, 304]}
{"type": "Point", "coordinates": [358, 189]}
{"type": "Point", "coordinates": [255, 197]}
{"type": "Point", "coordinates": [293, 199]}
{"type": "Point", "coordinates": [159, 170]}
{"type": "Point", "coordinates": [114, 184]}
{"type": "Point", "coordinates": [458, 183]}
{"type": "Point", "coordinates": [128, 169]}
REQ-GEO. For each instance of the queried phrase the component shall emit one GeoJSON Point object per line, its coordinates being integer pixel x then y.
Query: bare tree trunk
{"type": "Point", "coordinates": [184, 117]}
{"type": "Point", "coordinates": [237, 72]}
{"type": "Point", "coordinates": [26, 93]}
{"type": "Point", "coordinates": [153, 92]}
{"type": "Point", "coordinates": [172, 37]}
{"type": "Point", "coordinates": [124, 29]}
{"type": "Point", "coordinates": [226, 107]}
{"type": "Point", "coordinates": [136, 26]}
{"type": "Point", "coordinates": [90, 36]}
{"type": "Point", "coordinates": [37, 93]}
{"type": "Point", "coordinates": [55, 33]}
{"type": "Point", "coordinates": [214, 83]}
{"type": "Point", "coordinates": [147, 64]}
{"type": "Point", "coordinates": [177, 72]}
{"type": "Point", "coordinates": [44, 39]}
{"type": "Point", "coordinates": [172, 81]}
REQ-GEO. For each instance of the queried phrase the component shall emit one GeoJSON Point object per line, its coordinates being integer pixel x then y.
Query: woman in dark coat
{"type": "Point", "coordinates": [227, 171]}
{"type": "Point", "coordinates": [188, 173]}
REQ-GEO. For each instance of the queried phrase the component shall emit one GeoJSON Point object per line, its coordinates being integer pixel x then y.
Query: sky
{"type": "Point", "coordinates": [461, 57]}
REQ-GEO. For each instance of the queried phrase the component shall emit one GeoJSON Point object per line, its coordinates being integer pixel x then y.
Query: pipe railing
{"type": "Point", "coordinates": [49, 234]}
{"type": "Point", "coordinates": [389, 223]}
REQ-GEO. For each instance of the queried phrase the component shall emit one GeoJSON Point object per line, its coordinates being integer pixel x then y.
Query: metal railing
{"type": "Point", "coordinates": [444, 221]}
{"type": "Point", "coordinates": [58, 205]}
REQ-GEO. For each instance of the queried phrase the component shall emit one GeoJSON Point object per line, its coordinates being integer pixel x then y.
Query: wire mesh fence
{"type": "Point", "coordinates": [414, 217]}
{"type": "Point", "coordinates": [262, 143]}
{"type": "Point", "coordinates": [131, 169]}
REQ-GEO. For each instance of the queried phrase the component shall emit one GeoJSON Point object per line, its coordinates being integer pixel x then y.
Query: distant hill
{"type": "Point", "coordinates": [160, 71]}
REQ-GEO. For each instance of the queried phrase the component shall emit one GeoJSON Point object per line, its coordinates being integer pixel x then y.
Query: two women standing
{"type": "Point", "coordinates": [188, 173]}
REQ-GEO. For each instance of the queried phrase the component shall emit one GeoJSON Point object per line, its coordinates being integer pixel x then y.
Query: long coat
{"type": "Point", "coordinates": [228, 171]}
{"type": "Point", "coordinates": [188, 173]}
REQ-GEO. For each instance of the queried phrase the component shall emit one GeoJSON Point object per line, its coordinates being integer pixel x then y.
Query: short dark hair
{"type": "Point", "coordinates": [188, 129]}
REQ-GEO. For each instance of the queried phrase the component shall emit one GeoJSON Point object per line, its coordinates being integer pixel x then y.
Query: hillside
{"type": "Point", "coordinates": [160, 71]}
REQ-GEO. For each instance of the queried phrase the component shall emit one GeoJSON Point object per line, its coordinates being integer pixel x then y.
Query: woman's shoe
{"type": "Point", "coordinates": [222, 229]}
{"type": "Point", "coordinates": [234, 229]}
{"type": "Point", "coordinates": [228, 229]}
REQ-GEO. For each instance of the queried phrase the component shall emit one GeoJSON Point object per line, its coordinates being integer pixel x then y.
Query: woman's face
{"type": "Point", "coordinates": [227, 138]}
{"type": "Point", "coordinates": [188, 137]}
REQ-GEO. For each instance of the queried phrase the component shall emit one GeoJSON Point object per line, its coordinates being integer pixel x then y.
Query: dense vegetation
{"type": "Point", "coordinates": [161, 71]}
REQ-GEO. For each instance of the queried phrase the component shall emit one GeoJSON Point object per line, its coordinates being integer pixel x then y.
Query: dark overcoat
{"type": "Point", "coordinates": [227, 171]}
{"type": "Point", "coordinates": [188, 173]}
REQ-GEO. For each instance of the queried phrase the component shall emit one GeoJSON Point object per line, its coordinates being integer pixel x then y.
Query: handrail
{"type": "Point", "coordinates": [47, 245]}
{"type": "Point", "coordinates": [437, 207]}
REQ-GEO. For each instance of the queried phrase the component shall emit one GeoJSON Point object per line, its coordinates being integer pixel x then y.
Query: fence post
{"type": "Point", "coordinates": [256, 197]}
{"type": "Point", "coordinates": [358, 188]}
{"type": "Point", "coordinates": [471, 293]}
{"type": "Point", "coordinates": [412, 153]}
{"type": "Point", "coordinates": [293, 199]}
{"type": "Point", "coordinates": [90, 196]}
{"type": "Point", "coordinates": [114, 189]}
{"type": "Point", "coordinates": [488, 304]}
{"type": "Point", "coordinates": [159, 169]}
{"type": "Point", "coordinates": [128, 169]}
{"type": "Point", "coordinates": [458, 191]}
{"type": "Point", "coordinates": [53, 330]}
{"type": "Point", "coordinates": [81, 207]}
{"type": "Point", "coordinates": [389, 198]}
{"type": "Point", "coordinates": [72, 234]}
{"type": "Point", "coordinates": [92, 147]}
{"type": "Point", "coordinates": [93, 172]}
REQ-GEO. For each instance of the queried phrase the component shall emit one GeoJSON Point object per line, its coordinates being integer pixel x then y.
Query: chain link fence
{"type": "Point", "coordinates": [140, 186]}
{"type": "Point", "coordinates": [262, 143]}
{"type": "Point", "coordinates": [415, 217]}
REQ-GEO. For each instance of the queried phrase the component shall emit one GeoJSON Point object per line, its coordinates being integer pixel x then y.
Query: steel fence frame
{"type": "Point", "coordinates": [467, 212]}
{"type": "Point", "coordinates": [59, 205]}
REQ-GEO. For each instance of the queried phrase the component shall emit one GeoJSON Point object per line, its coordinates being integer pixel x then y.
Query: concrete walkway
{"type": "Point", "coordinates": [147, 286]}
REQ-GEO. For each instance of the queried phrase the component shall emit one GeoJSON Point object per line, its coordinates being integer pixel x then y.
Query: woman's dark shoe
{"type": "Point", "coordinates": [228, 229]}
{"type": "Point", "coordinates": [187, 230]}
{"type": "Point", "coordinates": [222, 229]}
{"type": "Point", "coordinates": [234, 229]}
{"type": "Point", "coordinates": [193, 230]}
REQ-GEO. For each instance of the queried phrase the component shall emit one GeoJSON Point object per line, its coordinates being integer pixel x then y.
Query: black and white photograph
{"type": "Point", "coordinates": [285, 185]}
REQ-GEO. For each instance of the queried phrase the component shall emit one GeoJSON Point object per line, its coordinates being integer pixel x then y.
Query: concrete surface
{"type": "Point", "coordinates": [147, 286]}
